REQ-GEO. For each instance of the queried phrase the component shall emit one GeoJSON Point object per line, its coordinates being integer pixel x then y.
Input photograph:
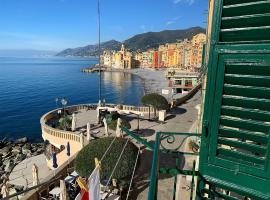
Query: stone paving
{"type": "Point", "coordinates": [22, 173]}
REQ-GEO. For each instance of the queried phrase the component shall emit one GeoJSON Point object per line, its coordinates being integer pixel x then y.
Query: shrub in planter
{"type": "Point", "coordinates": [65, 122]}
{"type": "Point", "coordinates": [124, 123]}
{"type": "Point", "coordinates": [85, 164]}
{"type": "Point", "coordinates": [112, 116]}
{"type": "Point", "coordinates": [193, 146]}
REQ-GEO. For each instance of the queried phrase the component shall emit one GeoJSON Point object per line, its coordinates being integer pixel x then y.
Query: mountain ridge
{"type": "Point", "coordinates": [139, 42]}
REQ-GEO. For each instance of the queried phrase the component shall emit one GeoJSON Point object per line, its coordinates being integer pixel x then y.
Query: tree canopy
{"type": "Point", "coordinates": [155, 100]}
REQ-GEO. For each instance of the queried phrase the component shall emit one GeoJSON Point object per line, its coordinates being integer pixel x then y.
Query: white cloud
{"type": "Point", "coordinates": [170, 22]}
{"type": "Point", "coordinates": [173, 20]}
{"type": "Point", "coordinates": [189, 2]}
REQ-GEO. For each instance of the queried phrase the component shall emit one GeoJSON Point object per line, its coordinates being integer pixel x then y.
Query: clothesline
{"type": "Point", "coordinates": [104, 155]}
{"type": "Point", "coordinates": [135, 165]}
{"type": "Point", "coordinates": [118, 160]}
{"type": "Point", "coordinates": [117, 163]}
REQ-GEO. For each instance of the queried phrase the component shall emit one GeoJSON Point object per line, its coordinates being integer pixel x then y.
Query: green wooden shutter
{"type": "Point", "coordinates": [245, 21]}
{"type": "Point", "coordinates": [235, 150]}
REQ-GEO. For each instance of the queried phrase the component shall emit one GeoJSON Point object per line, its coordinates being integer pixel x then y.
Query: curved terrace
{"type": "Point", "coordinates": [57, 138]}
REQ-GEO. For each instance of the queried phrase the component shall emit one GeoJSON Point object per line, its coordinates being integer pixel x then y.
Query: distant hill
{"type": "Point", "coordinates": [91, 50]}
{"type": "Point", "coordinates": [138, 42]}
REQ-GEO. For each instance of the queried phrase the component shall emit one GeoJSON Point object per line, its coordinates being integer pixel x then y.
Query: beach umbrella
{"type": "Point", "coordinates": [88, 131]}
{"type": "Point", "coordinates": [105, 126]}
{"type": "Point", "coordinates": [118, 128]}
{"type": "Point", "coordinates": [63, 188]}
{"type": "Point", "coordinates": [54, 160]}
{"type": "Point", "coordinates": [99, 103]}
{"type": "Point", "coordinates": [68, 149]}
{"type": "Point", "coordinates": [98, 120]}
{"type": "Point", "coordinates": [73, 125]}
{"type": "Point", "coordinates": [5, 190]}
{"type": "Point", "coordinates": [35, 175]}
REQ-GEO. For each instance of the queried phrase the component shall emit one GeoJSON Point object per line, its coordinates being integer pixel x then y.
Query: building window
{"type": "Point", "coordinates": [178, 82]}
{"type": "Point", "coordinates": [188, 83]}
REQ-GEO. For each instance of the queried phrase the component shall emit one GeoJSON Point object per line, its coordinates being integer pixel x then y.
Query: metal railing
{"type": "Point", "coordinates": [156, 169]}
{"type": "Point", "coordinates": [71, 136]}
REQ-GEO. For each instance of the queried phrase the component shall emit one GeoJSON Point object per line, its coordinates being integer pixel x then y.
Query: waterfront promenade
{"type": "Point", "coordinates": [180, 119]}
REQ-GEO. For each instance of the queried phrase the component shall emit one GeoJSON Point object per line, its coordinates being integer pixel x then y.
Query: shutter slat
{"type": "Point", "coordinates": [247, 91]}
{"type": "Point", "coordinates": [248, 80]}
{"type": "Point", "coordinates": [245, 113]}
{"type": "Point", "coordinates": [245, 21]}
{"type": "Point", "coordinates": [250, 34]}
{"type": "Point", "coordinates": [248, 69]}
{"type": "Point", "coordinates": [251, 125]}
{"type": "Point", "coordinates": [242, 145]}
{"type": "Point", "coordinates": [233, 2]}
{"type": "Point", "coordinates": [262, 104]}
{"type": "Point", "coordinates": [241, 134]}
{"type": "Point", "coordinates": [257, 7]}
{"type": "Point", "coordinates": [240, 156]}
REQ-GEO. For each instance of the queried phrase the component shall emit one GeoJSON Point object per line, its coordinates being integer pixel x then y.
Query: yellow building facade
{"type": "Point", "coordinates": [122, 59]}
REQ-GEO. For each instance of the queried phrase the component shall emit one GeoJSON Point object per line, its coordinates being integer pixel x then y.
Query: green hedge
{"type": "Point", "coordinates": [85, 164]}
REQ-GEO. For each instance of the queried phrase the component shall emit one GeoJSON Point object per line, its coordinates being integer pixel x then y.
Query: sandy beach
{"type": "Point", "coordinates": [154, 80]}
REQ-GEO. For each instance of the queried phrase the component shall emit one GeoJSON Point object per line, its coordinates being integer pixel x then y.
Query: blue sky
{"type": "Point", "coordinates": [59, 24]}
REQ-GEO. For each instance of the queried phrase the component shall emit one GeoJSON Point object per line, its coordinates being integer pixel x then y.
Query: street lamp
{"type": "Point", "coordinates": [138, 125]}
{"type": "Point", "coordinates": [64, 103]}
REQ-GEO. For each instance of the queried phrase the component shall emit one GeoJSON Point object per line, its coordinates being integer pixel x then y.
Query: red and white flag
{"type": "Point", "coordinates": [94, 185]}
{"type": "Point", "coordinates": [83, 195]}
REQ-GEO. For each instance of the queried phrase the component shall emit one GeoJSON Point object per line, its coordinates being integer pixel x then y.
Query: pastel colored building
{"type": "Point", "coordinates": [155, 60]}
{"type": "Point", "coordinates": [182, 82]}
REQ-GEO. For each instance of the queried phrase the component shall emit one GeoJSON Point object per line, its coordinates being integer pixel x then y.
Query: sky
{"type": "Point", "coordinates": [60, 24]}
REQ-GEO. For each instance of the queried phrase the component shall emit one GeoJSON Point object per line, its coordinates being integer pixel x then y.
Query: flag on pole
{"type": "Point", "coordinates": [83, 195]}
{"type": "Point", "coordinates": [94, 185]}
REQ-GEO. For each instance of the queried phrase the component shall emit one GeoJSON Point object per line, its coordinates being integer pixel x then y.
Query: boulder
{"type": "Point", "coordinates": [19, 158]}
{"type": "Point", "coordinates": [16, 149]}
{"type": "Point", "coordinates": [6, 162]}
{"type": "Point", "coordinates": [21, 140]}
{"type": "Point", "coordinates": [26, 151]}
{"type": "Point", "coordinates": [27, 146]}
{"type": "Point", "coordinates": [2, 144]}
{"type": "Point", "coordinates": [5, 151]}
{"type": "Point", "coordinates": [9, 166]}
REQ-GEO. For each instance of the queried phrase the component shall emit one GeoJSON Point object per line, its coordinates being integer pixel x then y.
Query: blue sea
{"type": "Point", "coordinates": [29, 86]}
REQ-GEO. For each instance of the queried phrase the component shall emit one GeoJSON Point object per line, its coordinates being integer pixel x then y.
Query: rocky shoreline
{"type": "Point", "coordinates": [14, 152]}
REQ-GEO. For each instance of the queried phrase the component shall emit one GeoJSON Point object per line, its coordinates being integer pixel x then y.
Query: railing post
{"type": "Point", "coordinates": [192, 181]}
{"type": "Point", "coordinates": [153, 189]}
